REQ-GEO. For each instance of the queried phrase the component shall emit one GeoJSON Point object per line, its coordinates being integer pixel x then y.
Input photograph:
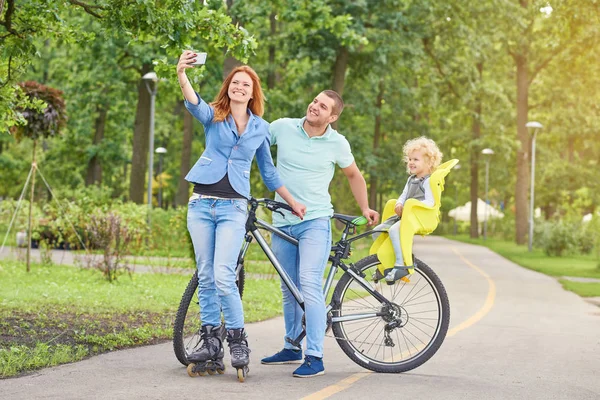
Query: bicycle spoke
{"type": "Point", "coordinates": [411, 323]}
{"type": "Point", "coordinates": [376, 337]}
{"type": "Point", "coordinates": [425, 302]}
{"type": "Point", "coordinates": [399, 342]}
{"type": "Point", "coordinates": [374, 324]}
{"type": "Point", "coordinates": [414, 336]}
{"type": "Point", "coordinates": [382, 347]}
{"type": "Point", "coordinates": [421, 322]}
{"type": "Point", "coordinates": [415, 298]}
{"type": "Point", "coordinates": [405, 340]}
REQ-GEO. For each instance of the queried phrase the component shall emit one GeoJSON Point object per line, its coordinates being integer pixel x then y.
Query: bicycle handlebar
{"type": "Point", "coordinates": [271, 204]}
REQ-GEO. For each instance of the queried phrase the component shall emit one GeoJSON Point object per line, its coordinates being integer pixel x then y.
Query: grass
{"type": "Point", "coordinates": [584, 289]}
{"type": "Point", "coordinates": [584, 266]}
{"type": "Point", "coordinates": [60, 314]}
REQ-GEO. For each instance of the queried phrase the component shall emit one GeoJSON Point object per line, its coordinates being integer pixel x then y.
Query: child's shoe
{"type": "Point", "coordinates": [398, 272]}
{"type": "Point", "coordinates": [377, 276]}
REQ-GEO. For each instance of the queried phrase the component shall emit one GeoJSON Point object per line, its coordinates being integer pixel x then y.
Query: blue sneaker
{"type": "Point", "coordinates": [285, 356]}
{"type": "Point", "coordinates": [313, 366]}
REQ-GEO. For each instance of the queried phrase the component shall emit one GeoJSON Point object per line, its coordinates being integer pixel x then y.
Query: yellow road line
{"type": "Point", "coordinates": [487, 306]}
{"type": "Point", "coordinates": [337, 387]}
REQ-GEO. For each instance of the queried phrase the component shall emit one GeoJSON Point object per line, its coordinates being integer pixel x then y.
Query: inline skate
{"type": "Point", "coordinates": [209, 357]}
{"type": "Point", "coordinates": [240, 353]}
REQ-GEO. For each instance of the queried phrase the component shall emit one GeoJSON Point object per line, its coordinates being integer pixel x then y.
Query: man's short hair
{"type": "Point", "coordinates": [338, 105]}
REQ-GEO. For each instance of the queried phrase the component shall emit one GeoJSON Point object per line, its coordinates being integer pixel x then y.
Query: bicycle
{"type": "Point", "coordinates": [409, 320]}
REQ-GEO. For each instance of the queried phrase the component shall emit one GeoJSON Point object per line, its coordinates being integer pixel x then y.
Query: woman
{"type": "Point", "coordinates": [235, 133]}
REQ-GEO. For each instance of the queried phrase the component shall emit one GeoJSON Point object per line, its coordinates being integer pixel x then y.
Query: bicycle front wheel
{"type": "Point", "coordinates": [186, 328]}
{"type": "Point", "coordinates": [394, 337]}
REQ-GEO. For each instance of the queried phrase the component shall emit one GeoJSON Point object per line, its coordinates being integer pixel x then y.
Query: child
{"type": "Point", "coordinates": [422, 157]}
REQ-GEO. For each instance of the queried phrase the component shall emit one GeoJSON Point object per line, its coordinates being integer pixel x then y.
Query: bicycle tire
{"type": "Point", "coordinates": [187, 321]}
{"type": "Point", "coordinates": [358, 350]}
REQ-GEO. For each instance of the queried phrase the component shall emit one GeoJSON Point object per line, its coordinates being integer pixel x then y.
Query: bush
{"type": "Point", "coordinates": [587, 238]}
{"type": "Point", "coordinates": [505, 227]}
{"type": "Point", "coordinates": [559, 237]}
{"type": "Point", "coordinates": [110, 233]}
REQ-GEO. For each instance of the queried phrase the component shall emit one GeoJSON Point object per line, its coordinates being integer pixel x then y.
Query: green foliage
{"type": "Point", "coordinates": [170, 24]}
{"type": "Point", "coordinates": [20, 358]}
{"type": "Point", "coordinates": [413, 68]}
{"type": "Point", "coordinates": [504, 227]}
{"type": "Point", "coordinates": [566, 233]}
{"type": "Point", "coordinates": [592, 230]}
{"type": "Point", "coordinates": [556, 238]}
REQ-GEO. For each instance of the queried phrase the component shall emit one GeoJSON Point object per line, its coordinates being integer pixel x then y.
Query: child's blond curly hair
{"type": "Point", "coordinates": [430, 150]}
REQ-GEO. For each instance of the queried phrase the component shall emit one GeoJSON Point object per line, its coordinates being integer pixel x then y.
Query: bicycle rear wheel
{"type": "Point", "coordinates": [186, 328]}
{"type": "Point", "coordinates": [390, 338]}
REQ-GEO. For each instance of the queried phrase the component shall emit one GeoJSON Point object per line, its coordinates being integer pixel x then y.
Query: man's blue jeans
{"type": "Point", "coordinates": [217, 228]}
{"type": "Point", "coordinates": [305, 265]}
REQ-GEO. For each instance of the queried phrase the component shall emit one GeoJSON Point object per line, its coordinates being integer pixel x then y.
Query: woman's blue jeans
{"type": "Point", "coordinates": [217, 228]}
{"type": "Point", "coordinates": [305, 264]}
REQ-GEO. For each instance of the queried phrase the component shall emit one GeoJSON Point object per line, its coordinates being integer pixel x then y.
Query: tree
{"type": "Point", "coordinates": [534, 38]}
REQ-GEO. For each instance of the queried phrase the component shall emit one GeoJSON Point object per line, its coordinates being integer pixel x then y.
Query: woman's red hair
{"type": "Point", "coordinates": [256, 103]}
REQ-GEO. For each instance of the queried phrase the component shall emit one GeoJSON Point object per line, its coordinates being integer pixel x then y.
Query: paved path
{"type": "Point", "coordinates": [64, 257]}
{"type": "Point", "coordinates": [514, 334]}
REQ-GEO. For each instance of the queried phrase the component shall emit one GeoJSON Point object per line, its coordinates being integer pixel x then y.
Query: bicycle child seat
{"type": "Point", "coordinates": [417, 219]}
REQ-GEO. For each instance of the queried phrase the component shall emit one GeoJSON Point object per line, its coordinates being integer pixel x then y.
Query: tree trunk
{"type": "Point", "coordinates": [229, 65]}
{"type": "Point", "coordinates": [339, 74]}
{"type": "Point", "coordinates": [141, 142]}
{"type": "Point", "coordinates": [94, 170]}
{"type": "Point", "coordinates": [475, 150]}
{"type": "Point", "coordinates": [186, 155]}
{"type": "Point", "coordinates": [373, 180]}
{"type": "Point", "coordinates": [522, 185]}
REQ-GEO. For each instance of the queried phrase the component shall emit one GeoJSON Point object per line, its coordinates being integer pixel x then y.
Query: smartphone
{"type": "Point", "coordinates": [200, 58]}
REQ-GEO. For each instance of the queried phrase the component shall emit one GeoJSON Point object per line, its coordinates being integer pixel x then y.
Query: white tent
{"type": "Point", "coordinates": [589, 217]}
{"type": "Point", "coordinates": [463, 213]}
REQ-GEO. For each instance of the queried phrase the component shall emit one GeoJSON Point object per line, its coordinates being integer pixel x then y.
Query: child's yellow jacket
{"type": "Point", "coordinates": [417, 219]}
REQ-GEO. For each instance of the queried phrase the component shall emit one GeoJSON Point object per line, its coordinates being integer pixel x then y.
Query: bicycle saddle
{"type": "Point", "coordinates": [356, 220]}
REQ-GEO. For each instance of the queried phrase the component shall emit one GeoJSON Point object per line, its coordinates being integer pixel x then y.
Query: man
{"type": "Point", "coordinates": [307, 151]}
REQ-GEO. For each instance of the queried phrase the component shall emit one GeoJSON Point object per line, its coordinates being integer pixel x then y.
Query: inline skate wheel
{"type": "Point", "coordinates": [190, 370]}
{"type": "Point", "coordinates": [242, 373]}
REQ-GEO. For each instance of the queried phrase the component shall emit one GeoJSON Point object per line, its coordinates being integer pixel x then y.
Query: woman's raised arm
{"type": "Point", "coordinates": [185, 62]}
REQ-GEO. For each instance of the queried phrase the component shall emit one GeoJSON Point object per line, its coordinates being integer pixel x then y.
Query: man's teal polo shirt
{"type": "Point", "coordinates": [306, 166]}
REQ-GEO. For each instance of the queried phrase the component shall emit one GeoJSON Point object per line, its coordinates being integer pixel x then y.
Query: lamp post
{"type": "Point", "coordinates": [152, 88]}
{"type": "Point", "coordinates": [161, 151]}
{"type": "Point", "coordinates": [536, 126]}
{"type": "Point", "coordinates": [456, 167]}
{"type": "Point", "coordinates": [487, 153]}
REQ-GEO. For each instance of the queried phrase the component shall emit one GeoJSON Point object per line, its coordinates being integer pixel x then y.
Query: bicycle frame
{"type": "Point", "coordinates": [340, 250]}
